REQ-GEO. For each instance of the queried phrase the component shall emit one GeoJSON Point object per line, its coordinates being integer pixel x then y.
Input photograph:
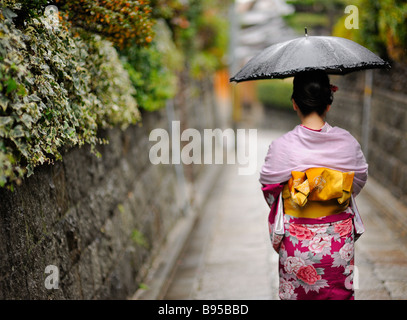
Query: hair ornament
{"type": "Point", "coordinates": [334, 88]}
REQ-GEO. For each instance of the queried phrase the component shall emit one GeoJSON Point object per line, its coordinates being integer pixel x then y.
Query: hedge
{"type": "Point", "coordinates": [57, 90]}
{"type": "Point", "coordinates": [275, 93]}
{"type": "Point", "coordinates": [65, 77]}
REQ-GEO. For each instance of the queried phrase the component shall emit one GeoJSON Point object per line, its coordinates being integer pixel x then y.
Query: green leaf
{"type": "Point", "coordinates": [34, 97]}
{"type": "Point", "coordinates": [5, 120]}
{"type": "Point", "coordinates": [17, 132]}
{"type": "Point", "coordinates": [21, 90]}
{"type": "Point", "coordinates": [3, 103]}
{"type": "Point", "coordinates": [8, 13]}
{"type": "Point", "coordinates": [27, 120]}
{"type": "Point", "coordinates": [11, 85]}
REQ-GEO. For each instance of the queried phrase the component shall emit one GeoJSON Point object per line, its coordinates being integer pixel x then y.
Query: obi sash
{"type": "Point", "coordinates": [317, 192]}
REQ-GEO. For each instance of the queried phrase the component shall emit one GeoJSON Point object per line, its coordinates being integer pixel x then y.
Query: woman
{"type": "Point", "coordinates": [310, 177]}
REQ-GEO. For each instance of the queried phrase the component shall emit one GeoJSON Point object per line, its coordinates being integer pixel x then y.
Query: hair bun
{"type": "Point", "coordinates": [312, 92]}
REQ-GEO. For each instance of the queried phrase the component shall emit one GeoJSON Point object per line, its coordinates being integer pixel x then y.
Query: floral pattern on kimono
{"type": "Point", "coordinates": [316, 259]}
{"type": "Point", "coordinates": [316, 255]}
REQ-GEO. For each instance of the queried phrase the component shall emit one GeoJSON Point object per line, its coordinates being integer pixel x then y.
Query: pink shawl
{"type": "Point", "coordinates": [302, 148]}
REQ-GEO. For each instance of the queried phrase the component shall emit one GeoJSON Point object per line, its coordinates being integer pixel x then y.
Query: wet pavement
{"type": "Point", "coordinates": [229, 256]}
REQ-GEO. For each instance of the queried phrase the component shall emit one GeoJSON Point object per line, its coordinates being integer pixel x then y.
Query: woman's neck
{"type": "Point", "coordinates": [313, 121]}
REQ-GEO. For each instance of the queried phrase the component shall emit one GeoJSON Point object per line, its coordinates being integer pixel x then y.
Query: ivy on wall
{"type": "Point", "coordinates": [100, 63]}
{"type": "Point", "coordinates": [56, 90]}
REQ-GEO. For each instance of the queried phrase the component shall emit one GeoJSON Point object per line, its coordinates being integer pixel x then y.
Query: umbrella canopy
{"type": "Point", "coordinates": [334, 55]}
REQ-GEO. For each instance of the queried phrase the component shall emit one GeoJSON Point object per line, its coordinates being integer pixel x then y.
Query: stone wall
{"type": "Point", "coordinates": [100, 221]}
{"type": "Point", "coordinates": [387, 146]}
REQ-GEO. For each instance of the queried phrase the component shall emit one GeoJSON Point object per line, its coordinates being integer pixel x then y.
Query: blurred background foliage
{"type": "Point", "coordinates": [281, 93]}
{"type": "Point", "coordinates": [382, 23]}
{"type": "Point", "coordinates": [120, 21]}
{"type": "Point", "coordinates": [102, 62]}
{"type": "Point", "coordinates": [317, 15]}
{"type": "Point", "coordinates": [382, 27]}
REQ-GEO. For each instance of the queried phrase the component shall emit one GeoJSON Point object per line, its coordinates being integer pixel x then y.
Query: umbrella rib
{"type": "Point", "coordinates": [327, 45]}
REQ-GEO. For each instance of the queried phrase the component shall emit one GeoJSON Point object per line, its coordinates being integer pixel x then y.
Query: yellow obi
{"type": "Point", "coordinates": [317, 192]}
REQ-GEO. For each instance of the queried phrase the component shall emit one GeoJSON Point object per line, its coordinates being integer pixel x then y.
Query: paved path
{"type": "Point", "coordinates": [229, 256]}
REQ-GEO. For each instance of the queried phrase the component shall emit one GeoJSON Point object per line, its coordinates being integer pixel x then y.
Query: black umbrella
{"type": "Point", "coordinates": [334, 55]}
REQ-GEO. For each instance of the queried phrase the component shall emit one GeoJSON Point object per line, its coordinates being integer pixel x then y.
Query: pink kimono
{"type": "Point", "coordinates": [316, 254]}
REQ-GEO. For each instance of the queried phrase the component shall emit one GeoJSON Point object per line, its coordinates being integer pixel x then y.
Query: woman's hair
{"type": "Point", "coordinates": [312, 92]}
